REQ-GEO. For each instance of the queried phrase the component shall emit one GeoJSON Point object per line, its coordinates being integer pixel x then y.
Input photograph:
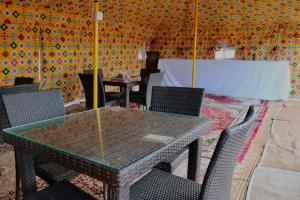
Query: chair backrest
{"type": "Point", "coordinates": [155, 79]}
{"type": "Point", "coordinates": [218, 178]}
{"type": "Point", "coordinates": [24, 108]}
{"type": "Point", "coordinates": [144, 80]}
{"type": "Point", "coordinates": [91, 71]}
{"type": "Point", "coordinates": [88, 87]}
{"type": "Point", "coordinates": [4, 123]}
{"type": "Point", "coordinates": [178, 100]}
{"type": "Point", "coordinates": [23, 80]}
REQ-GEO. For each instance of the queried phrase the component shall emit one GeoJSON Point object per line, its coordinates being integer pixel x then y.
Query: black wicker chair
{"type": "Point", "coordinates": [112, 95]}
{"type": "Point", "coordinates": [12, 90]}
{"type": "Point", "coordinates": [103, 100]}
{"type": "Point", "coordinates": [145, 74]}
{"type": "Point", "coordinates": [218, 179]}
{"type": "Point", "coordinates": [24, 108]}
{"type": "Point", "coordinates": [144, 98]}
{"type": "Point", "coordinates": [23, 80]}
{"type": "Point", "coordinates": [178, 100]}
{"type": "Point", "coordinates": [91, 71]}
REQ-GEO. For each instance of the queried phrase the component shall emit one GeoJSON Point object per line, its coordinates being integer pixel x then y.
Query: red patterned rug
{"type": "Point", "coordinates": [222, 110]}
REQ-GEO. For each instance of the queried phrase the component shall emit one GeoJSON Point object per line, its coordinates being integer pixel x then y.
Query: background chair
{"type": "Point", "coordinates": [12, 90]}
{"type": "Point", "coordinates": [145, 74]}
{"type": "Point", "coordinates": [113, 95]}
{"type": "Point", "coordinates": [24, 108]}
{"type": "Point", "coordinates": [144, 98]}
{"type": "Point", "coordinates": [103, 100]}
{"type": "Point", "coordinates": [23, 80]}
{"type": "Point", "coordinates": [177, 100]}
{"type": "Point", "coordinates": [217, 181]}
{"type": "Point", "coordinates": [91, 71]}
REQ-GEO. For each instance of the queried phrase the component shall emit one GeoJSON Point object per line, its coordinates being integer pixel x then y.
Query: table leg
{"type": "Point", "coordinates": [25, 167]}
{"type": "Point", "coordinates": [111, 193]}
{"type": "Point", "coordinates": [126, 98]}
{"type": "Point", "coordinates": [194, 160]}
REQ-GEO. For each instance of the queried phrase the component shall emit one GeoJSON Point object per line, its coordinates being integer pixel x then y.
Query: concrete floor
{"type": "Point", "coordinates": [283, 149]}
{"type": "Point", "coordinates": [278, 175]}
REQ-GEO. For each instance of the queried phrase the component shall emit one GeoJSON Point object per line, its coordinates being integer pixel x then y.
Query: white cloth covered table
{"type": "Point", "coordinates": [268, 80]}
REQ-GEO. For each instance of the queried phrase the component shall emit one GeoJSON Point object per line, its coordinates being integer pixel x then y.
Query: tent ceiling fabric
{"type": "Point", "coordinates": [175, 13]}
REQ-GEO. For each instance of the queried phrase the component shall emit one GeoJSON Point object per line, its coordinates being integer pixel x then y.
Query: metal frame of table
{"type": "Point", "coordinates": [118, 182]}
{"type": "Point", "coordinates": [126, 86]}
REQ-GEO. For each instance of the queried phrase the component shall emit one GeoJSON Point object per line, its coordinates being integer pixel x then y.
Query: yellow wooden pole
{"type": "Point", "coordinates": [95, 80]}
{"type": "Point", "coordinates": [100, 134]}
{"type": "Point", "coordinates": [195, 44]}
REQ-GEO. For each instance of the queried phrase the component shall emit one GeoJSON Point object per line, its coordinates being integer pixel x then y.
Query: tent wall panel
{"type": "Point", "coordinates": [60, 46]}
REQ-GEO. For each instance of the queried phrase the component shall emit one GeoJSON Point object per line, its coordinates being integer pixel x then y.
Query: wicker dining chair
{"type": "Point", "coordinates": [144, 98]}
{"type": "Point", "coordinates": [91, 71]}
{"type": "Point", "coordinates": [23, 80]}
{"type": "Point", "coordinates": [24, 108]}
{"type": "Point", "coordinates": [111, 95]}
{"type": "Point", "coordinates": [12, 90]}
{"type": "Point", "coordinates": [88, 87]}
{"type": "Point", "coordinates": [144, 74]}
{"type": "Point", "coordinates": [161, 185]}
{"type": "Point", "coordinates": [177, 100]}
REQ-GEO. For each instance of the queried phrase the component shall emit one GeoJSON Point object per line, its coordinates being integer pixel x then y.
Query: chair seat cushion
{"type": "Point", "coordinates": [63, 190]}
{"type": "Point", "coordinates": [114, 95]}
{"type": "Point", "coordinates": [160, 185]}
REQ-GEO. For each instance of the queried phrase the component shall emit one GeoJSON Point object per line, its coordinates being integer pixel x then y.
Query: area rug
{"type": "Point", "coordinates": [222, 110]}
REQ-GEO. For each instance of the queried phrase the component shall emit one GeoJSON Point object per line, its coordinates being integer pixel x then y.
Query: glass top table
{"type": "Point", "coordinates": [109, 140]}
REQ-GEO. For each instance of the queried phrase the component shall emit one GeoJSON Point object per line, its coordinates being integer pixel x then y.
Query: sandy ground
{"type": "Point", "coordinates": [7, 180]}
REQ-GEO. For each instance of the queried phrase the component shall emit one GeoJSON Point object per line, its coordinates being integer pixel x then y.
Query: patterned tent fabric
{"type": "Point", "coordinates": [53, 40]}
{"type": "Point", "coordinates": [170, 13]}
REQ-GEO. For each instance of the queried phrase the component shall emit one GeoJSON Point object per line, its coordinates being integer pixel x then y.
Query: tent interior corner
{"type": "Point", "coordinates": [236, 65]}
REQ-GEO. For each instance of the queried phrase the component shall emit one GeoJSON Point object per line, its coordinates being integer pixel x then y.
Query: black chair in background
{"type": "Point", "coordinates": [88, 87]}
{"type": "Point", "coordinates": [114, 95]}
{"type": "Point", "coordinates": [23, 80]}
{"type": "Point", "coordinates": [91, 71]}
{"type": "Point", "coordinates": [177, 100]}
{"type": "Point", "coordinates": [144, 98]}
{"type": "Point", "coordinates": [145, 74]}
{"type": "Point", "coordinates": [217, 181]}
{"type": "Point", "coordinates": [29, 107]}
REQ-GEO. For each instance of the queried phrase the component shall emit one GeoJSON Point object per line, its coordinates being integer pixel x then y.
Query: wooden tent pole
{"type": "Point", "coordinates": [95, 79]}
{"type": "Point", "coordinates": [195, 44]}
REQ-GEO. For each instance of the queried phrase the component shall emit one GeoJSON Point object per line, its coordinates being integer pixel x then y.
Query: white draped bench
{"type": "Point", "coordinates": [268, 80]}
